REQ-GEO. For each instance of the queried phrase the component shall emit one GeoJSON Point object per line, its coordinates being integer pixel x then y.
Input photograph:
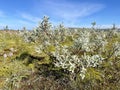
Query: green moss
{"type": "Point", "coordinates": [93, 74]}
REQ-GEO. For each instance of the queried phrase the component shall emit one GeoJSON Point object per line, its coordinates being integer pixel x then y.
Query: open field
{"type": "Point", "coordinates": [60, 59]}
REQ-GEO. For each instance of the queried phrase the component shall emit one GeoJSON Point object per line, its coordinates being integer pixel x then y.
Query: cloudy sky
{"type": "Point", "coordinates": [73, 13]}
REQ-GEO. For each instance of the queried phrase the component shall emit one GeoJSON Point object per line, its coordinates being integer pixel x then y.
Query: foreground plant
{"type": "Point", "coordinates": [86, 57]}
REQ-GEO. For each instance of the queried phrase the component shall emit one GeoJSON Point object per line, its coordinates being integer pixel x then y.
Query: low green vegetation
{"type": "Point", "coordinates": [60, 58]}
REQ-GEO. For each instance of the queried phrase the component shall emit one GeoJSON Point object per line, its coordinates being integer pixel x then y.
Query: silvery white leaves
{"type": "Point", "coordinates": [28, 36]}
{"type": "Point", "coordinates": [39, 49]}
{"type": "Point", "coordinates": [92, 61]}
{"type": "Point", "coordinates": [90, 46]}
{"type": "Point", "coordinates": [83, 71]}
{"type": "Point", "coordinates": [82, 42]}
{"type": "Point", "coordinates": [116, 47]}
{"type": "Point", "coordinates": [100, 40]}
{"type": "Point", "coordinates": [65, 59]}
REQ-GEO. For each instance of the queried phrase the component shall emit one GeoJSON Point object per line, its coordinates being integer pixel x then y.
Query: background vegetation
{"type": "Point", "coordinates": [59, 58]}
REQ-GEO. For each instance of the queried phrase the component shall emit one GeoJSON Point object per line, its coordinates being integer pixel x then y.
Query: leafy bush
{"type": "Point", "coordinates": [61, 58]}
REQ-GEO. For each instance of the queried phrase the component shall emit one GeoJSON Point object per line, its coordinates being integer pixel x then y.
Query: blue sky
{"type": "Point", "coordinates": [74, 13]}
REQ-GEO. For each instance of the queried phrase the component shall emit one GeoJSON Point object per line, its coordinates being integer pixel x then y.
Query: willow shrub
{"type": "Point", "coordinates": [85, 53]}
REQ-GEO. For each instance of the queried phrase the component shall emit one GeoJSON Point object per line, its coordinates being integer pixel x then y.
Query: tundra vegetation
{"type": "Point", "coordinates": [58, 58]}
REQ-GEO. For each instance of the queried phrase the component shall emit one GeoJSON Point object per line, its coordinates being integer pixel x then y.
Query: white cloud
{"type": "Point", "coordinates": [22, 19]}
{"type": "Point", "coordinates": [26, 24]}
{"type": "Point", "coordinates": [2, 14]}
{"type": "Point", "coordinates": [73, 11]}
{"type": "Point", "coordinates": [29, 17]}
{"type": "Point", "coordinates": [108, 26]}
{"type": "Point", "coordinates": [19, 25]}
{"type": "Point", "coordinates": [105, 26]}
{"type": "Point", "coordinates": [68, 12]}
